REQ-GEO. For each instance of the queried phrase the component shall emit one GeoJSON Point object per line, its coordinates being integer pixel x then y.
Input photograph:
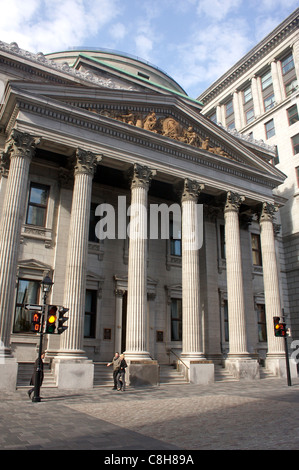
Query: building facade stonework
{"type": "Point", "coordinates": [79, 135]}
{"type": "Point", "coordinates": [258, 100]}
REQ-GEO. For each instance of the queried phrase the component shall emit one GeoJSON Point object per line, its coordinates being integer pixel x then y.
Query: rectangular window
{"type": "Point", "coordinates": [176, 319]}
{"type": "Point", "coordinates": [90, 314]}
{"type": "Point", "coordinates": [270, 129]}
{"type": "Point", "coordinates": [293, 114]}
{"type": "Point", "coordinates": [266, 80]}
{"type": "Point", "coordinates": [295, 144]}
{"type": "Point", "coordinates": [297, 174]}
{"type": "Point", "coordinates": [287, 64]}
{"type": "Point", "coordinates": [175, 243]}
{"type": "Point", "coordinates": [225, 320]}
{"type": "Point", "coordinates": [256, 249]}
{"type": "Point", "coordinates": [213, 117]}
{"type": "Point", "coordinates": [222, 242]}
{"type": "Point", "coordinates": [269, 102]}
{"type": "Point", "coordinates": [229, 109]}
{"type": "Point", "coordinates": [37, 204]}
{"type": "Point", "coordinates": [249, 115]}
{"type": "Point", "coordinates": [291, 86]}
{"type": "Point", "coordinates": [247, 94]}
{"type": "Point", "coordinates": [261, 323]}
{"type": "Point", "coordinates": [27, 293]}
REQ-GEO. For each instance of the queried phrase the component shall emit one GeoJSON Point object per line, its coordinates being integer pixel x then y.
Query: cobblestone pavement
{"type": "Point", "coordinates": [238, 415]}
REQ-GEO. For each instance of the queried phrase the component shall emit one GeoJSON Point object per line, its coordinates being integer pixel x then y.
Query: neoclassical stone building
{"type": "Point", "coordinates": [87, 133]}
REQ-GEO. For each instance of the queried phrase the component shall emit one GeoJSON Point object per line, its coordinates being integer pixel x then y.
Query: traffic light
{"type": "Point", "coordinates": [62, 319]}
{"type": "Point", "coordinates": [35, 322]}
{"type": "Point", "coordinates": [51, 319]}
{"type": "Point", "coordinates": [279, 328]}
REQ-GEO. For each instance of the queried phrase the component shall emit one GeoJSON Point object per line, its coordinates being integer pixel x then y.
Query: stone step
{"type": "Point", "coordinates": [222, 374]}
{"type": "Point", "coordinates": [266, 374]}
{"type": "Point", "coordinates": [103, 375]}
{"type": "Point", "coordinates": [25, 371]}
{"type": "Point", "coordinates": [171, 376]}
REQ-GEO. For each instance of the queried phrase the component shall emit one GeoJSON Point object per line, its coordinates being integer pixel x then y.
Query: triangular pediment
{"type": "Point", "coordinates": [152, 116]}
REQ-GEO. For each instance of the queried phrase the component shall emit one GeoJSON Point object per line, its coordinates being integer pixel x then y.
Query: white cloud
{"type": "Point", "coordinates": [118, 31]}
{"type": "Point", "coordinates": [217, 9]}
{"type": "Point", "coordinates": [48, 25]}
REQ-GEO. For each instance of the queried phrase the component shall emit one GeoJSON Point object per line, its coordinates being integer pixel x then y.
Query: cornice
{"type": "Point", "coordinates": [101, 125]}
{"type": "Point", "coordinates": [270, 42]}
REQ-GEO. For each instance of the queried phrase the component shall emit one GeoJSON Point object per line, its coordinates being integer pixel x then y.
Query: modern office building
{"type": "Point", "coordinates": [259, 98]}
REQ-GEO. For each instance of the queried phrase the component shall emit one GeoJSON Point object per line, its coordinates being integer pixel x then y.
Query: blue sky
{"type": "Point", "coordinates": [194, 41]}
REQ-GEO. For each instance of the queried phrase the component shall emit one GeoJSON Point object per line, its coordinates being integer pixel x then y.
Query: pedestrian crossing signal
{"type": "Point", "coordinates": [35, 322]}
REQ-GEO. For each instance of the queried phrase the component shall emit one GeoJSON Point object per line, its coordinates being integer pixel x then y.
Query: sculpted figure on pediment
{"type": "Point", "coordinates": [150, 122]}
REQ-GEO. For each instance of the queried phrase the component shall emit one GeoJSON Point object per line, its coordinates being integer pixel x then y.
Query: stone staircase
{"type": "Point", "coordinates": [103, 375]}
{"type": "Point", "coordinates": [266, 374]}
{"type": "Point", "coordinates": [171, 376]}
{"type": "Point", "coordinates": [222, 374]}
{"type": "Point", "coordinates": [25, 371]}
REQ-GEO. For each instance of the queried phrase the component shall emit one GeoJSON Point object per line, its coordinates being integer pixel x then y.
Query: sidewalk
{"type": "Point", "coordinates": [263, 414]}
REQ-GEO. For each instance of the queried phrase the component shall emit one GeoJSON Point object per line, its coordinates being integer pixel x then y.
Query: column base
{"type": "Point", "coordinates": [72, 373]}
{"type": "Point", "coordinates": [277, 365]}
{"type": "Point", "coordinates": [142, 372]}
{"type": "Point", "coordinates": [243, 368]}
{"type": "Point", "coordinates": [8, 373]}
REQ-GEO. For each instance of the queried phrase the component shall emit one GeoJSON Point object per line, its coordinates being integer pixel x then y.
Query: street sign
{"type": "Point", "coordinates": [33, 307]}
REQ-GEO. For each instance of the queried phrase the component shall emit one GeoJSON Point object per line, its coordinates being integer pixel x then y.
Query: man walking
{"type": "Point", "coordinates": [115, 363]}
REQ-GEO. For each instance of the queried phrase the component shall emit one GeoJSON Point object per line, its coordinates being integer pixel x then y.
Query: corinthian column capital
{"type": "Point", "coordinates": [233, 202]}
{"type": "Point", "coordinates": [22, 144]}
{"type": "Point", "coordinates": [191, 190]}
{"type": "Point", "coordinates": [86, 162]}
{"type": "Point", "coordinates": [141, 176]}
{"type": "Point", "coordinates": [267, 212]}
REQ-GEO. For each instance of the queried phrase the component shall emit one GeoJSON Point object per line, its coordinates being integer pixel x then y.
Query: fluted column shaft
{"type": "Point", "coordinates": [235, 295]}
{"type": "Point", "coordinates": [270, 276]}
{"type": "Point", "coordinates": [75, 285]}
{"type": "Point", "coordinates": [192, 346]}
{"type": "Point", "coordinates": [136, 331]}
{"type": "Point", "coordinates": [21, 147]}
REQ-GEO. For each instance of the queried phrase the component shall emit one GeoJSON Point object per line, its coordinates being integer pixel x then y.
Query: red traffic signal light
{"type": "Point", "coordinates": [35, 322]}
{"type": "Point", "coordinates": [51, 319]}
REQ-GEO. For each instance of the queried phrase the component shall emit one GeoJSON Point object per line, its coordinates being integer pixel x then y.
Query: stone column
{"type": "Point", "coordinates": [256, 96]}
{"type": "Point", "coordinates": [71, 356]}
{"type": "Point", "coordinates": [21, 147]}
{"type": "Point", "coordinates": [142, 369]}
{"type": "Point", "coordinates": [192, 346]}
{"type": "Point", "coordinates": [276, 82]}
{"type": "Point", "coordinates": [199, 369]}
{"type": "Point", "coordinates": [275, 360]}
{"type": "Point", "coordinates": [136, 347]}
{"type": "Point", "coordinates": [238, 358]}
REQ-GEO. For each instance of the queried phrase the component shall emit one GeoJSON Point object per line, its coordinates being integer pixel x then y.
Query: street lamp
{"type": "Point", "coordinates": [46, 285]}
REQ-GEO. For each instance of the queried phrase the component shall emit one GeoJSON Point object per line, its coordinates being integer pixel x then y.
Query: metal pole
{"type": "Point", "coordinates": [36, 396]}
{"type": "Point", "coordinates": [287, 361]}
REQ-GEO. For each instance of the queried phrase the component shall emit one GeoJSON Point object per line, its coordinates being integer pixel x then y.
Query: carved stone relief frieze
{"type": "Point", "coordinates": [164, 125]}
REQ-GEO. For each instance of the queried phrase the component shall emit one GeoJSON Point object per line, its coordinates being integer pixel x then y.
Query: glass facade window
{"type": "Point", "coordinates": [291, 86]}
{"type": "Point", "coordinates": [270, 129]}
{"type": "Point", "coordinates": [266, 80]}
{"type": "Point", "coordinates": [261, 322]}
{"type": "Point", "coordinates": [295, 144]}
{"type": "Point", "coordinates": [37, 205]}
{"type": "Point", "coordinates": [90, 314]}
{"type": "Point", "coordinates": [292, 114]}
{"type": "Point", "coordinates": [229, 109]}
{"type": "Point", "coordinates": [269, 102]}
{"type": "Point", "coordinates": [256, 249]}
{"type": "Point", "coordinates": [247, 94]}
{"type": "Point", "coordinates": [249, 115]}
{"type": "Point", "coordinates": [287, 64]}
